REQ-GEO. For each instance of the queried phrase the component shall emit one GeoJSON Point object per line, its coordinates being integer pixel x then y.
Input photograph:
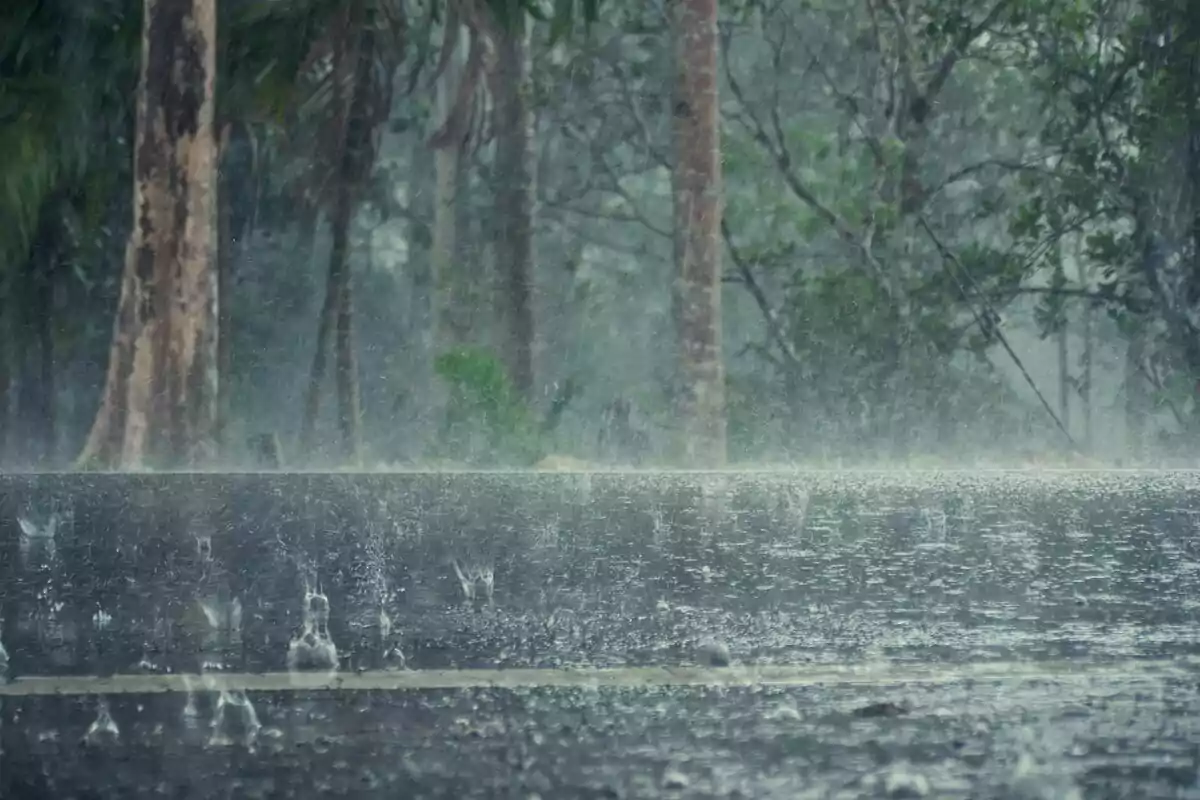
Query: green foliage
{"type": "Point", "coordinates": [483, 404]}
{"type": "Point", "coordinates": [67, 70]}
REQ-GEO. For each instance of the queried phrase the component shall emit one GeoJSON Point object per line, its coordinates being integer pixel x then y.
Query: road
{"type": "Point", "coordinates": [909, 635]}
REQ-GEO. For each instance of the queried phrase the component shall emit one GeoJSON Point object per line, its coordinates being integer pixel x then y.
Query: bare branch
{"type": "Point", "coordinates": [614, 179]}
{"type": "Point", "coordinates": [605, 216]}
{"type": "Point", "coordinates": [783, 160]}
{"type": "Point", "coordinates": [1002, 163]}
{"type": "Point", "coordinates": [774, 327]}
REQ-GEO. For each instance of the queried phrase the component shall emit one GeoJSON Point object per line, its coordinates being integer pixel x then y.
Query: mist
{"type": "Point", "coordinates": [921, 263]}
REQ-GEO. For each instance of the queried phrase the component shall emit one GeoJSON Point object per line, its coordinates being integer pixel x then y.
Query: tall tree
{"type": "Point", "coordinates": [700, 387]}
{"type": "Point", "coordinates": [160, 393]}
{"type": "Point", "coordinates": [516, 193]}
{"type": "Point", "coordinates": [364, 99]}
{"type": "Point", "coordinates": [449, 328]}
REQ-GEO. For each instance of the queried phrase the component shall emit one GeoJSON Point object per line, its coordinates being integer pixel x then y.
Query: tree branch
{"type": "Point", "coordinates": [782, 156]}
{"type": "Point", "coordinates": [774, 327]}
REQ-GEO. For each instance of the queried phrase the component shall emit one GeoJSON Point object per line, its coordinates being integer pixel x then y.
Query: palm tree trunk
{"type": "Point", "coordinates": [160, 394]}
{"type": "Point", "coordinates": [337, 313]}
{"type": "Point", "coordinates": [348, 393]}
{"type": "Point", "coordinates": [700, 391]}
{"type": "Point", "coordinates": [325, 327]}
{"type": "Point", "coordinates": [450, 320]}
{"type": "Point", "coordinates": [515, 198]}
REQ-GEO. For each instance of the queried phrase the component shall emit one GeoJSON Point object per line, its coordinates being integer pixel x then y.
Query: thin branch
{"type": "Point", "coordinates": [783, 160]}
{"type": "Point", "coordinates": [948, 259]}
{"type": "Point", "coordinates": [602, 215]}
{"type": "Point", "coordinates": [774, 327]}
{"type": "Point", "coordinates": [978, 166]}
{"type": "Point", "coordinates": [616, 187]}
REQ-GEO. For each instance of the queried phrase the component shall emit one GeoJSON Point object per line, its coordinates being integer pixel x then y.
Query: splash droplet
{"type": "Point", "coordinates": [103, 731]}
{"type": "Point", "coordinates": [234, 721]}
{"type": "Point", "coordinates": [312, 649]}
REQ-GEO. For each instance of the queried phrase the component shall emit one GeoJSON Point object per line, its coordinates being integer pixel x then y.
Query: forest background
{"type": "Point", "coordinates": [489, 232]}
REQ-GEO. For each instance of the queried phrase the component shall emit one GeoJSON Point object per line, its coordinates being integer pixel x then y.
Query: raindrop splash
{"type": "Point", "coordinates": [103, 731]}
{"type": "Point", "coordinates": [191, 715]}
{"type": "Point", "coordinates": [204, 547]}
{"type": "Point", "coordinates": [101, 620]}
{"type": "Point", "coordinates": [235, 721]}
{"type": "Point", "coordinates": [37, 545]}
{"type": "Point", "coordinates": [312, 649]}
{"type": "Point", "coordinates": [473, 578]}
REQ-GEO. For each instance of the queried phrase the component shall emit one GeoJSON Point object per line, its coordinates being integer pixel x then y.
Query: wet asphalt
{"type": "Point", "coordinates": [1057, 611]}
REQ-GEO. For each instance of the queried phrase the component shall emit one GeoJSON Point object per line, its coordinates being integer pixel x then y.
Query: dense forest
{"type": "Point", "coordinates": [348, 233]}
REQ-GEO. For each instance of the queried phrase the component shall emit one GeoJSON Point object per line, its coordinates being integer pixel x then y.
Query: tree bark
{"type": "Point", "coordinates": [160, 394]}
{"type": "Point", "coordinates": [700, 389]}
{"type": "Point", "coordinates": [348, 393]}
{"type": "Point", "coordinates": [451, 323]}
{"type": "Point", "coordinates": [337, 314]}
{"type": "Point", "coordinates": [516, 193]}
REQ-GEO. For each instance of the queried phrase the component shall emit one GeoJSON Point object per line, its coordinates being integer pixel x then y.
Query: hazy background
{"type": "Point", "coordinates": [1058, 164]}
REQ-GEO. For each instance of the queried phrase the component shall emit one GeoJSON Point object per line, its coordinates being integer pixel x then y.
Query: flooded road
{"type": "Point", "coordinates": [887, 635]}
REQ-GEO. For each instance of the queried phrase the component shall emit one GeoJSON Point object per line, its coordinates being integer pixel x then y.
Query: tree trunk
{"type": "Point", "coordinates": [337, 313]}
{"type": "Point", "coordinates": [1136, 395]}
{"type": "Point", "coordinates": [415, 398]}
{"type": "Point", "coordinates": [160, 394]}
{"type": "Point", "coordinates": [700, 390]}
{"type": "Point", "coordinates": [1061, 336]}
{"type": "Point", "coordinates": [515, 198]}
{"type": "Point", "coordinates": [349, 396]}
{"type": "Point", "coordinates": [325, 327]}
{"type": "Point", "coordinates": [1064, 377]}
{"type": "Point", "coordinates": [1089, 344]}
{"type": "Point", "coordinates": [446, 330]}
{"type": "Point", "coordinates": [450, 320]}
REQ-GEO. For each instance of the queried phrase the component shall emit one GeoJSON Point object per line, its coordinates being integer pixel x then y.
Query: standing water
{"type": "Point", "coordinates": [646, 634]}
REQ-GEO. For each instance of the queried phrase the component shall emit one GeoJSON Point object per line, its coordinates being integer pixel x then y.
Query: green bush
{"type": "Point", "coordinates": [484, 408]}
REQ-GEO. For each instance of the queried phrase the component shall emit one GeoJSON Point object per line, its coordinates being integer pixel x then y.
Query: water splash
{"type": "Point", "coordinates": [3, 662]}
{"type": "Point", "coordinates": [191, 714]}
{"type": "Point", "coordinates": [214, 622]}
{"type": "Point", "coordinates": [660, 526]}
{"type": "Point", "coordinates": [474, 577]}
{"type": "Point", "coordinates": [204, 547]}
{"type": "Point", "coordinates": [37, 545]}
{"type": "Point", "coordinates": [312, 649]}
{"type": "Point", "coordinates": [235, 722]}
{"type": "Point", "coordinates": [101, 619]}
{"type": "Point", "coordinates": [793, 506]}
{"type": "Point", "coordinates": [393, 656]}
{"type": "Point", "coordinates": [103, 731]}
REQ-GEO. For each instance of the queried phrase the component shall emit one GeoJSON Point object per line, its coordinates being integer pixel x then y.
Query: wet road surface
{"type": "Point", "coordinates": [917, 635]}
